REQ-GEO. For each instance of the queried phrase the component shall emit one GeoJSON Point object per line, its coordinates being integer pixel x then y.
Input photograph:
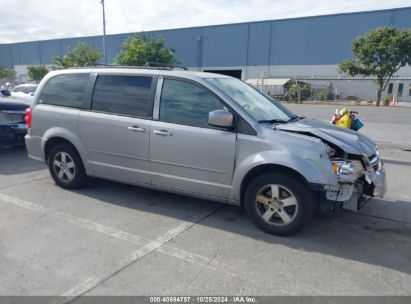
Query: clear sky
{"type": "Point", "coordinates": [26, 20]}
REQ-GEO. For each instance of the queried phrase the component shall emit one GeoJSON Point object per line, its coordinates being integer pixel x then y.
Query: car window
{"type": "Point", "coordinates": [127, 95]}
{"type": "Point", "coordinates": [259, 105]}
{"type": "Point", "coordinates": [186, 103]}
{"type": "Point", "coordinates": [18, 89]}
{"type": "Point", "coordinates": [65, 90]}
{"type": "Point", "coordinates": [30, 89]}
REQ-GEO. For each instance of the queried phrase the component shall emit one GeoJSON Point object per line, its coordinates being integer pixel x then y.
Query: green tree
{"type": "Point", "coordinates": [380, 53]}
{"type": "Point", "coordinates": [136, 50]}
{"type": "Point", "coordinates": [7, 74]}
{"type": "Point", "coordinates": [37, 72]}
{"type": "Point", "coordinates": [297, 91]}
{"type": "Point", "coordinates": [79, 56]}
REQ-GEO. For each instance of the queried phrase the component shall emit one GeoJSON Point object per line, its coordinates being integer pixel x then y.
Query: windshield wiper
{"type": "Point", "coordinates": [275, 121]}
{"type": "Point", "coordinates": [296, 118]}
{"type": "Point", "coordinates": [272, 121]}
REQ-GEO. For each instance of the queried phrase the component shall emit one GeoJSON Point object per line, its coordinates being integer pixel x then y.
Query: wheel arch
{"type": "Point", "coordinates": [264, 168]}
{"type": "Point", "coordinates": [52, 142]}
{"type": "Point", "coordinates": [79, 174]}
{"type": "Point", "coordinates": [57, 135]}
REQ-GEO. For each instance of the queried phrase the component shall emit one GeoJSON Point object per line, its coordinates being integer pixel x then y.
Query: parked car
{"type": "Point", "coordinates": [203, 135]}
{"type": "Point", "coordinates": [12, 125]}
{"type": "Point", "coordinates": [26, 88]}
{"type": "Point", "coordinates": [24, 92]}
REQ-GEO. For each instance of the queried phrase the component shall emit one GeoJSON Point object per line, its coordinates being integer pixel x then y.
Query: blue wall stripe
{"type": "Point", "coordinates": [309, 40]}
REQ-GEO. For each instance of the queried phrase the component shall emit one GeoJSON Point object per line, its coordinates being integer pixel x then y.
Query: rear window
{"type": "Point", "coordinates": [65, 90]}
{"type": "Point", "coordinates": [125, 95]}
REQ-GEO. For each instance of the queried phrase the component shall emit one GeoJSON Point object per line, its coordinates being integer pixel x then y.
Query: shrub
{"type": "Point", "coordinates": [386, 101]}
{"type": "Point", "coordinates": [321, 96]}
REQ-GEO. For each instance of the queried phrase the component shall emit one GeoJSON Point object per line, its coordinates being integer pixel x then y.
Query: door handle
{"type": "Point", "coordinates": [162, 132]}
{"type": "Point", "coordinates": [136, 129]}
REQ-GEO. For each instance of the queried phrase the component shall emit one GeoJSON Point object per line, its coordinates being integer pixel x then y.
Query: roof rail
{"type": "Point", "coordinates": [101, 66]}
{"type": "Point", "coordinates": [154, 64]}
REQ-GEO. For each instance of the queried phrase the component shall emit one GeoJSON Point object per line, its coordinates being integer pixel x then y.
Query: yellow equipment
{"type": "Point", "coordinates": [345, 119]}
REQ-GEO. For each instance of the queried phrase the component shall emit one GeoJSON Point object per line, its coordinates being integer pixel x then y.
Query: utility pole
{"type": "Point", "coordinates": [104, 33]}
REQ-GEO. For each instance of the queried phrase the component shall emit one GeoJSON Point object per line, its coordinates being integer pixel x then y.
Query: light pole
{"type": "Point", "coordinates": [104, 33]}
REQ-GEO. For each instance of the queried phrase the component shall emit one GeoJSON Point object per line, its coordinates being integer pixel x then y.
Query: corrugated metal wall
{"type": "Point", "coordinates": [299, 41]}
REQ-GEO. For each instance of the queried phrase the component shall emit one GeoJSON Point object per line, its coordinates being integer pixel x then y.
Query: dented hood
{"type": "Point", "coordinates": [350, 141]}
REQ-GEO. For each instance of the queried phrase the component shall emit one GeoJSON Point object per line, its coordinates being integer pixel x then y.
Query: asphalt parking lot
{"type": "Point", "coordinates": [115, 239]}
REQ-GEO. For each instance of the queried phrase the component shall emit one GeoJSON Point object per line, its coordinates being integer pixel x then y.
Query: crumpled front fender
{"type": "Point", "coordinates": [315, 168]}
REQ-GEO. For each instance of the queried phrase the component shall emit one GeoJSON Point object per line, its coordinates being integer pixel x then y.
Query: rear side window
{"type": "Point", "coordinates": [65, 90]}
{"type": "Point", "coordinates": [126, 95]}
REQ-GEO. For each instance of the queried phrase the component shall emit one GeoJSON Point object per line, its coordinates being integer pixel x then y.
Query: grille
{"type": "Point", "coordinates": [11, 116]}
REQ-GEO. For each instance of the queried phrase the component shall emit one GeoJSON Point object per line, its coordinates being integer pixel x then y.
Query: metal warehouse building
{"type": "Point", "coordinates": [267, 53]}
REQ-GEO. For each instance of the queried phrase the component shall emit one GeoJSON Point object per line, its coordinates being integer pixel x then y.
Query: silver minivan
{"type": "Point", "coordinates": [200, 134]}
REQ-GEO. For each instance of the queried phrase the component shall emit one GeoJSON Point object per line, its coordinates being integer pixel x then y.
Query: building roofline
{"type": "Point", "coordinates": [218, 25]}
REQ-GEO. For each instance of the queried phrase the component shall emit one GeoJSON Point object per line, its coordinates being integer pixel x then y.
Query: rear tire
{"type": "Point", "coordinates": [66, 167]}
{"type": "Point", "coordinates": [279, 203]}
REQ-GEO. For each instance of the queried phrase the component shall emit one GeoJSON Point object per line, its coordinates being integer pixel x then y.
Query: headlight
{"type": "Point", "coordinates": [342, 167]}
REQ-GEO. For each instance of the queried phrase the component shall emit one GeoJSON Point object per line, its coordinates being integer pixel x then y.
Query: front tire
{"type": "Point", "coordinates": [279, 203]}
{"type": "Point", "coordinates": [66, 167]}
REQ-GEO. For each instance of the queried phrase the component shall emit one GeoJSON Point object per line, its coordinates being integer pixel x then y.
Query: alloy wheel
{"type": "Point", "coordinates": [64, 167]}
{"type": "Point", "coordinates": [276, 205]}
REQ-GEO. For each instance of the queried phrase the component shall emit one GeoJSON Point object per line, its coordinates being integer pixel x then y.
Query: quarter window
{"type": "Point", "coordinates": [126, 95]}
{"type": "Point", "coordinates": [65, 90]}
{"type": "Point", "coordinates": [187, 104]}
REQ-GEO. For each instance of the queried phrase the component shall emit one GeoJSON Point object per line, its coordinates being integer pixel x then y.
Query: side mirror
{"type": "Point", "coordinates": [220, 118]}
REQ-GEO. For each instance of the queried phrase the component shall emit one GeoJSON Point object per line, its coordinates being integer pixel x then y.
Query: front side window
{"type": "Point", "coordinates": [65, 90]}
{"type": "Point", "coordinates": [125, 95]}
{"type": "Point", "coordinates": [187, 104]}
{"type": "Point", "coordinates": [260, 106]}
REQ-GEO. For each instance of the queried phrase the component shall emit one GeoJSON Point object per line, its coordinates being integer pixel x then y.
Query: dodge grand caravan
{"type": "Point", "coordinates": [200, 134]}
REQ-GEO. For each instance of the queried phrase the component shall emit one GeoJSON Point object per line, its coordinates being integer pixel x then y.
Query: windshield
{"type": "Point", "coordinates": [18, 89]}
{"type": "Point", "coordinates": [260, 106]}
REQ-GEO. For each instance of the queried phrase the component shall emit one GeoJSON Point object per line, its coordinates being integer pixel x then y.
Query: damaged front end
{"type": "Point", "coordinates": [355, 160]}
{"type": "Point", "coordinates": [359, 178]}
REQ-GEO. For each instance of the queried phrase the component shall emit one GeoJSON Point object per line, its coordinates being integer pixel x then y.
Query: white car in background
{"type": "Point", "coordinates": [24, 92]}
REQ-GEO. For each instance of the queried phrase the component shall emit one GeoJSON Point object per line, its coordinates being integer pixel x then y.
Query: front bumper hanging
{"type": "Point", "coordinates": [351, 196]}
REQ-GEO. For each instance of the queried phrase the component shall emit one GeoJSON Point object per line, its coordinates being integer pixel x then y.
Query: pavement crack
{"type": "Point", "coordinates": [200, 272]}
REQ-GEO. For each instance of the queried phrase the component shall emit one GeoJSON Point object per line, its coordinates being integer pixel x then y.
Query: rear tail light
{"type": "Point", "coordinates": [27, 118]}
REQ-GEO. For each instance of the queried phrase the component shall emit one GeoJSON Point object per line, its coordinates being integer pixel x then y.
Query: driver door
{"type": "Point", "coordinates": [186, 153]}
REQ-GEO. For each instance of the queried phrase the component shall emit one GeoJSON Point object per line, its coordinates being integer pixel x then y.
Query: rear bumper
{"type": "Point", "coordinates": [33, 146]}
{"type": "Point", "coordinates": [11, 135]}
